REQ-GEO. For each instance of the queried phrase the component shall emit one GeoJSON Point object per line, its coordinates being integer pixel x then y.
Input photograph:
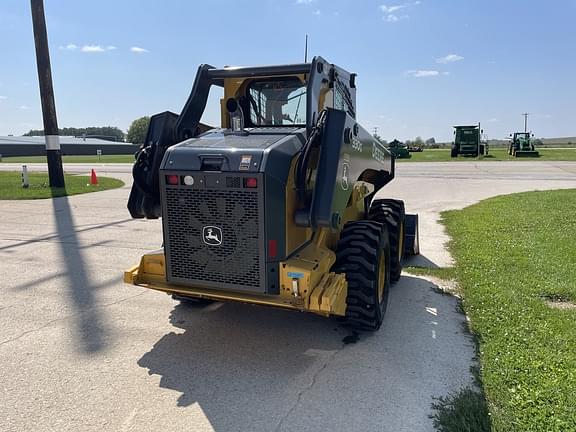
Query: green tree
{"type": "Point", "coordinates": [137, 130]}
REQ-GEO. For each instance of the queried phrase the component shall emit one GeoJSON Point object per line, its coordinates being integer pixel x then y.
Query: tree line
{"type": "Point", "coordinates": [136, 132]}
{"type": "Point", "coordinates": [418, 141]}
{"type": "Point", "coordinates": [110, 133]}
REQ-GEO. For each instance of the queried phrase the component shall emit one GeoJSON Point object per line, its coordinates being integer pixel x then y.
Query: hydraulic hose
{"type": "Point", "coordinates": [312, 141]}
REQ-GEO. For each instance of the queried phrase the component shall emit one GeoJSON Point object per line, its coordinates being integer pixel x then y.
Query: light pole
{"type": "Point", "coordinates": [525, 122]}
{"type": "Point", "coordinates": [53, 152]}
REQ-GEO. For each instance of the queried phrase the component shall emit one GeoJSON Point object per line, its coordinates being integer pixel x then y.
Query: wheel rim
{"type": "Point", "coordinates": [381, 276]}
{"type": "Point", "coordinates": [401, 242]}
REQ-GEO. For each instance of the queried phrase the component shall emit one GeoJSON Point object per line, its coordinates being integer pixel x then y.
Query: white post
{"type": "Point", "coordinates": [25, 180]}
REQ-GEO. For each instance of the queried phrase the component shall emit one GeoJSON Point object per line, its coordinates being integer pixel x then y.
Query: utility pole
{"type": "Point", "coordinates": [525, 122]}
{"type": "Point", "coordinates": [306, 50]}
{"type": "Point", "coordinates": [53, 152]}
{"type": "Point", "coordinates": [375, 131]}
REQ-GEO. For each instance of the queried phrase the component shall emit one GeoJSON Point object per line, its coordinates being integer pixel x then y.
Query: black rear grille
{"type": "Point", "coordinates": [233, 182]}
{"type": "Point", "coordinates": [231, 216]}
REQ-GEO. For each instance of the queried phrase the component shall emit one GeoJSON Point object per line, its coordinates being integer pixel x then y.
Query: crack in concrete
{"type": "Point", "coordinates": [563, 169]}
{"type": "Point", "coordinates": [7, 341]}
{"type": "Point", "coordinates": [307, 388]}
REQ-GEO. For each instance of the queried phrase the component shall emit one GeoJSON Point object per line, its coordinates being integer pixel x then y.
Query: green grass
{"type": "Point", "coordinates": [443, 155]}
{"type": "Point", "coordinates": [445, 273]}
{"type": "Point", "coordinates": [72, 159]}
{"type": "Point", "coordinates": [511, 252]}
{"type": "Point", "coordinates": [11, 186]}
{"type": "Point", "coordinates": [465, 411]}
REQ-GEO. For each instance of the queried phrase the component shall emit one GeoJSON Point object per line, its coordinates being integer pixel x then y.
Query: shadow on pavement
{"type": "Point", "coordinates": [58, 235]}
{"type": "Point", "coordinates": [79, 288]}
{"type": "Point", "coordinates": [259, 369]}
{"type": "Point", "coordinates": [419, 261]}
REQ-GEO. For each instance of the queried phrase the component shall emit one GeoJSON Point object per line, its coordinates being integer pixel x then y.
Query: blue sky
{"type": "Point", "coordinates": [422, 65]}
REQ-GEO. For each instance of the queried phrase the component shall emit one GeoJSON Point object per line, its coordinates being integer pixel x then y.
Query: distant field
{"type": "Point", "coordinates": [72, 159]}
{"type": "Point", "coordinates": [429, 155]}
{"type": "Point", "coordinates": [443, 155]}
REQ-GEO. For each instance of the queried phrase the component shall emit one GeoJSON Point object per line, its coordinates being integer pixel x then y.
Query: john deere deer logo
{"type": "Point", "coordinates": [344, 180]}
{"type": "Point", "coordinates": [212, 235]}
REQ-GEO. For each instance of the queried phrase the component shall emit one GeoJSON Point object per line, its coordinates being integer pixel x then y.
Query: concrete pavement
{"type": "Point", "coordinates": [79, 350]}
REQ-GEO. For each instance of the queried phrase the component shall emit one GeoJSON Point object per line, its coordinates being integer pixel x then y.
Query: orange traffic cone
{"type": "Point", "coordinates": [93, 178]}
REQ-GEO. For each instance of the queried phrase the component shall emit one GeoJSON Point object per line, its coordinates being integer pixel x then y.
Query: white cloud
{"type": "Point", "coordinates": [92, 49]}
{"type": "Point", "coordinates": [3, 97]}
{"type": "Point", "coordinates": [138, 50]}
{"type": "Point", "coordinates": [69, 47]}
{"type": "Point", "coordinates": [317, 12]}
{"type": "Point", "coordinates": [492, 120]}
{"type": "Point", "coordinates": [392, 9]}
{"type": "Point", "coordinates": [24, 107]}
{"type": "Point", "coordinates": [87, 48]}
{"type": "Point", "coordinates": [305, 1]}
{"type": "Point", "coordinates": [450, 58]}
{"type": "Point", "coordinates": [423, 73]}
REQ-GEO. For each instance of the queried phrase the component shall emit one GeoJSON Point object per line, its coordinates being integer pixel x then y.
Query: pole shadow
{"type": "Point", "coordinates": [79, 288]}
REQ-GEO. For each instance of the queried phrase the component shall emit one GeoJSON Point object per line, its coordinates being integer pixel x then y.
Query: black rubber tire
{"type": "Point", "coordinates": [454, 152]}
{"type": "Point", "coordinates": [362, 247]}
{"type": "Point", "coordinates": [392, 213]}
{"type": "Point", "coordinates": [192, 301]}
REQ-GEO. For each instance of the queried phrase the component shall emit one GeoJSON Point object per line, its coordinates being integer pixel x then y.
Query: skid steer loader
{"type": "Point", "coordinates": [277, 206]}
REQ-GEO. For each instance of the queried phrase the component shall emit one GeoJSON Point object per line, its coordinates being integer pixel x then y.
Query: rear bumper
{"type": "Point", "coordinates": [327, 297]}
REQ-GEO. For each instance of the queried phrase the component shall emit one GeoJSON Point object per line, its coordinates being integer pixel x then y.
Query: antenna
{"type": "Point", "coordinates": [375, 131]}
{"type": "Point", "coordinates": [526, 121]}
{"type": "Point", "coordinates": [306, 50]}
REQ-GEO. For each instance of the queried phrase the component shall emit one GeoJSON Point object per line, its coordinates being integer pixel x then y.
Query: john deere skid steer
{"type": "Point", "coordinates": [277, 205]}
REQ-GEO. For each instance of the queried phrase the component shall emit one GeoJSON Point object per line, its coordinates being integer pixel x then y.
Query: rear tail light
{"type": "Point", "coordinates": [272, 248]}
{"type": "Point", "coordinates": [172, 179]}
{"type": "Point", "coordinates": [250, 182]}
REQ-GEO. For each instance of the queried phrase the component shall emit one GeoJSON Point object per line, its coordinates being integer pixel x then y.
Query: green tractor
{"type": "Point", "coordinates": [468, 141]}
{"type": "Point", "coordinates": [399, 150]}
{"type": "Point", "coordinates": [521, 145]}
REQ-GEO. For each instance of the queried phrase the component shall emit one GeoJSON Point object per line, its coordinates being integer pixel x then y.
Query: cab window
{"type": "Point", "coordinates": [277, 102]}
